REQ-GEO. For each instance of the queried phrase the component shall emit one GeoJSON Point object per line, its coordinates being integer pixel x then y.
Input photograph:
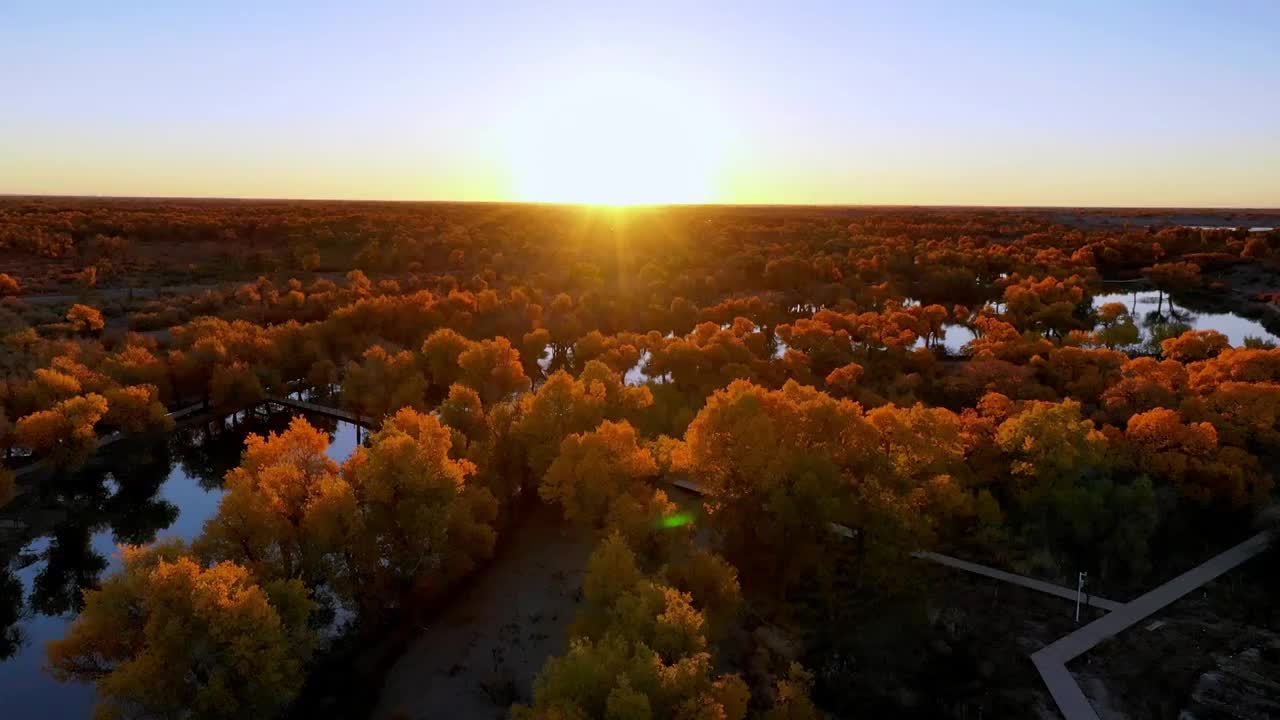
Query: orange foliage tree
{"type": "Point", "coordinates": [85, 319]}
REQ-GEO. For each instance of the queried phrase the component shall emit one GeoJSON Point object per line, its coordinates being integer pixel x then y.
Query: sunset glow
{"type": "Point", "coordinates": [811, 103]}
{"type": "Point", "coordinates": [639, 359]}
{"type": "Point", "coordinates": [614, 138]}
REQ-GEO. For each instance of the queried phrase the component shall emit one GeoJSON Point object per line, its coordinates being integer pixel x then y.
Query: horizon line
{"type": "Point", "coordinates": [546, 203]}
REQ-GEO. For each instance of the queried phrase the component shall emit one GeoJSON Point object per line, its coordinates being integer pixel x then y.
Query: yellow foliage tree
{"type": "Point", "coordinates": [136, 409]}
{"type": "Point", "coordinates": [1050, 446]}
{"type": "Point", "coordinates": [564, 405]}
{"type": "Point", "coordinates": [493, 368]}
{"type": "Point", "coordinates": [594, 469]}
{"type": "Point", "coordinates": [286, 510]}
{"type": "Point", "coordinates": [67, 431]}
{"type": "Point", "coordinates": [165, 637]}
{"type": "Point", "coordinates": [407, 486]}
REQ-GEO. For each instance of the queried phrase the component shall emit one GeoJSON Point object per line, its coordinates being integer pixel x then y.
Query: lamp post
{"type": "Point", "coordinates": [1080, 592]}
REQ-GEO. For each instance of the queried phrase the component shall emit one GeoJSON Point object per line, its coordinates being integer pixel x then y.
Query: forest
{"type": "Point", "coordinates": [1044, 391]}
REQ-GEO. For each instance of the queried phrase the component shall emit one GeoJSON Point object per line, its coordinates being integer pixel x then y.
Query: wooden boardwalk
{"type": "Point", "coordinates": [105, 440]}
{"type": "Point", "coordinates": [1026, 582]}
{"type": "Point", "coordinates": [187, 412]}
{"type": "Point", "coordinates": [319, 409]}
{"type": "Point", "coordinates": [1052, 659]}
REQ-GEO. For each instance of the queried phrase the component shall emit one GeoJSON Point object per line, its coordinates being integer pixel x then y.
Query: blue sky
{"type": "Point", "coordinates": [1166, 103]}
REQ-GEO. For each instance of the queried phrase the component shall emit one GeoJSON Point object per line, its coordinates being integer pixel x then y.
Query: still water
{"type": "Point", "coordinates": [60, 538]}
{"type": "Point", "coordinates": [1151, 308]}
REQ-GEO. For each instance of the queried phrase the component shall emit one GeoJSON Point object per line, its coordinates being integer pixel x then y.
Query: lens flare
{"type": "Point", "coordinates": [676, 520]}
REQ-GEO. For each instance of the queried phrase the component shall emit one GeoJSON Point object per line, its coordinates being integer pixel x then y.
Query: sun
{"type": "Point", "coordinates": [615, 138]}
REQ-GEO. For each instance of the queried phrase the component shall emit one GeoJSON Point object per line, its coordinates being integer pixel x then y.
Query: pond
{"type": "Point", "coordinates": [954, 338]}
{"type": "Point", "coordinates": [60, 538]}
{"type": "Point", "coordinates": [1255, 228]}
{"type": "Point", "coordinates": [1152, 309]}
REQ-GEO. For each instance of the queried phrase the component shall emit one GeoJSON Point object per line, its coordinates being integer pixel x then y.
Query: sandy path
{"type": "Point", "coordinates": [482, 652]}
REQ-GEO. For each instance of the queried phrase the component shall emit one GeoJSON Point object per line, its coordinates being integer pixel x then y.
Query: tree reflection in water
{"type": "Point", "coordinates": [210, 450]}
{"type": "Point", "coordinates": [10, 613]}
{"type": "Point", "coordinates": [136, 512]}
{"type": "Point", "coordinates": [71, 565]}
{"type": "Point", "coordinates": [56, 539]}
{"type": "Point", "coordinates": [120, 492]}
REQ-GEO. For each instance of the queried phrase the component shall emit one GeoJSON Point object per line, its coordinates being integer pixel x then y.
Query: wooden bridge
{"type": "Point", "coordinates": [320, 409]}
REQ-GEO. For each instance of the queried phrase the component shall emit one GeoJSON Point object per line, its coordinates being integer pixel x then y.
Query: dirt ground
{"type": "Point", "coordinates": [482, 653]}
{"type": "Point", "coordinates": [1212, 655]}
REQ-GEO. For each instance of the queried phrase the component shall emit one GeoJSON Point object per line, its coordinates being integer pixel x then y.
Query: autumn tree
{"type": "Point", "coordinates": [791, 697]}
{"type": "Point", "coordinates": [136, 409]}
{"type": "Point", "coordinates": [565, 405]}
{"type": "Point", "coordinates": [1195, 345]}
{"type": "Point", "coordinates": [235, 386]}
{"type": "Point", "coordinates": [1246, 415]}
{"type": "Point", "coordinates": [614, 678]}
{"type": "Point", "coordinates": [85, 319]}
{"type": "Point", "coordinates": [407, 489]}
{"type": "Point", "coordinates": [779, 466]}
{"type": "Point", "coordinates": [996, 339]}
{"type": "Point", "coordinates": [493, 368]}
{"type": "Point", "coordinates": [166, 637]}
{"type": "Point", "coordinates": [1252, 365]}
{"type": "Point", "coordinates": [1050, 447]}
{"type": "Point", "coordinates": [593, 469]}
{"type": "Point", "coordinates": [382, 382]}
{"type": "Point", "coordinates": [1173, 276]}
{"type": "Point", "coordinates": [49, 386]}
{"type": "Point", "coordinates": [1254, 248]}
{"type": "Point", "coordinates": [843, 381]}
{"type": "Point", "coordinates": [653, 526]}
{"type": "Point", "coordinates": [1083, 374]}
{"type": "Point", "coordinates": [323, 375]}
{"type": "Point", "coordinates": [711, 581]}
{"type": "Point", "coordinates": [1046, 304]}
{"type": "Point", "coordinates": [1144, 384]}
{"type": "Point", "coordinates": [640, 651]}
{"type": "Point", "coordinates": [532, 347]}
{"type": "Point", "coordinates": [441, 352]}
{"type": "Point", "coordinates": [137, 364]}
{"type": "Point", "coordinates": [463, 411]}
{"type": "Point", "coordinates": [9, 285]}
{"type": "Point", "coordinates": [286, 509]}
{"type": "Point", "coordinates": [708, 357]}
{"type": "Point", "coordinates": [1116, 327]}
{"type": "Point", "coordinates": [1189, 456]}
{"type": "Point", "coordinates": [1069, 493]}
{"type": "Point", "coordinates": [67, 431]}
{"type": "Point", "coordinates": [194, 366]}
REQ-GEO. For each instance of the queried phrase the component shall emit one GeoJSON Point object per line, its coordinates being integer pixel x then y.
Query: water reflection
{"type": "Point", "coordinates": [60, 538]}
{"type": "Point", "coordinates": [1159, 316]}
{"type": "Point", "coordinates": [11, 638]}
{"type": "Point", "coordinates": [70, 564]}
{"type": "Point", "coordinates": [954, 339]}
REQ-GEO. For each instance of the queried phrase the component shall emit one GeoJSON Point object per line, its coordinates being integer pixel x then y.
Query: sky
{"type": "Point", "coordinates": [961, 103]}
